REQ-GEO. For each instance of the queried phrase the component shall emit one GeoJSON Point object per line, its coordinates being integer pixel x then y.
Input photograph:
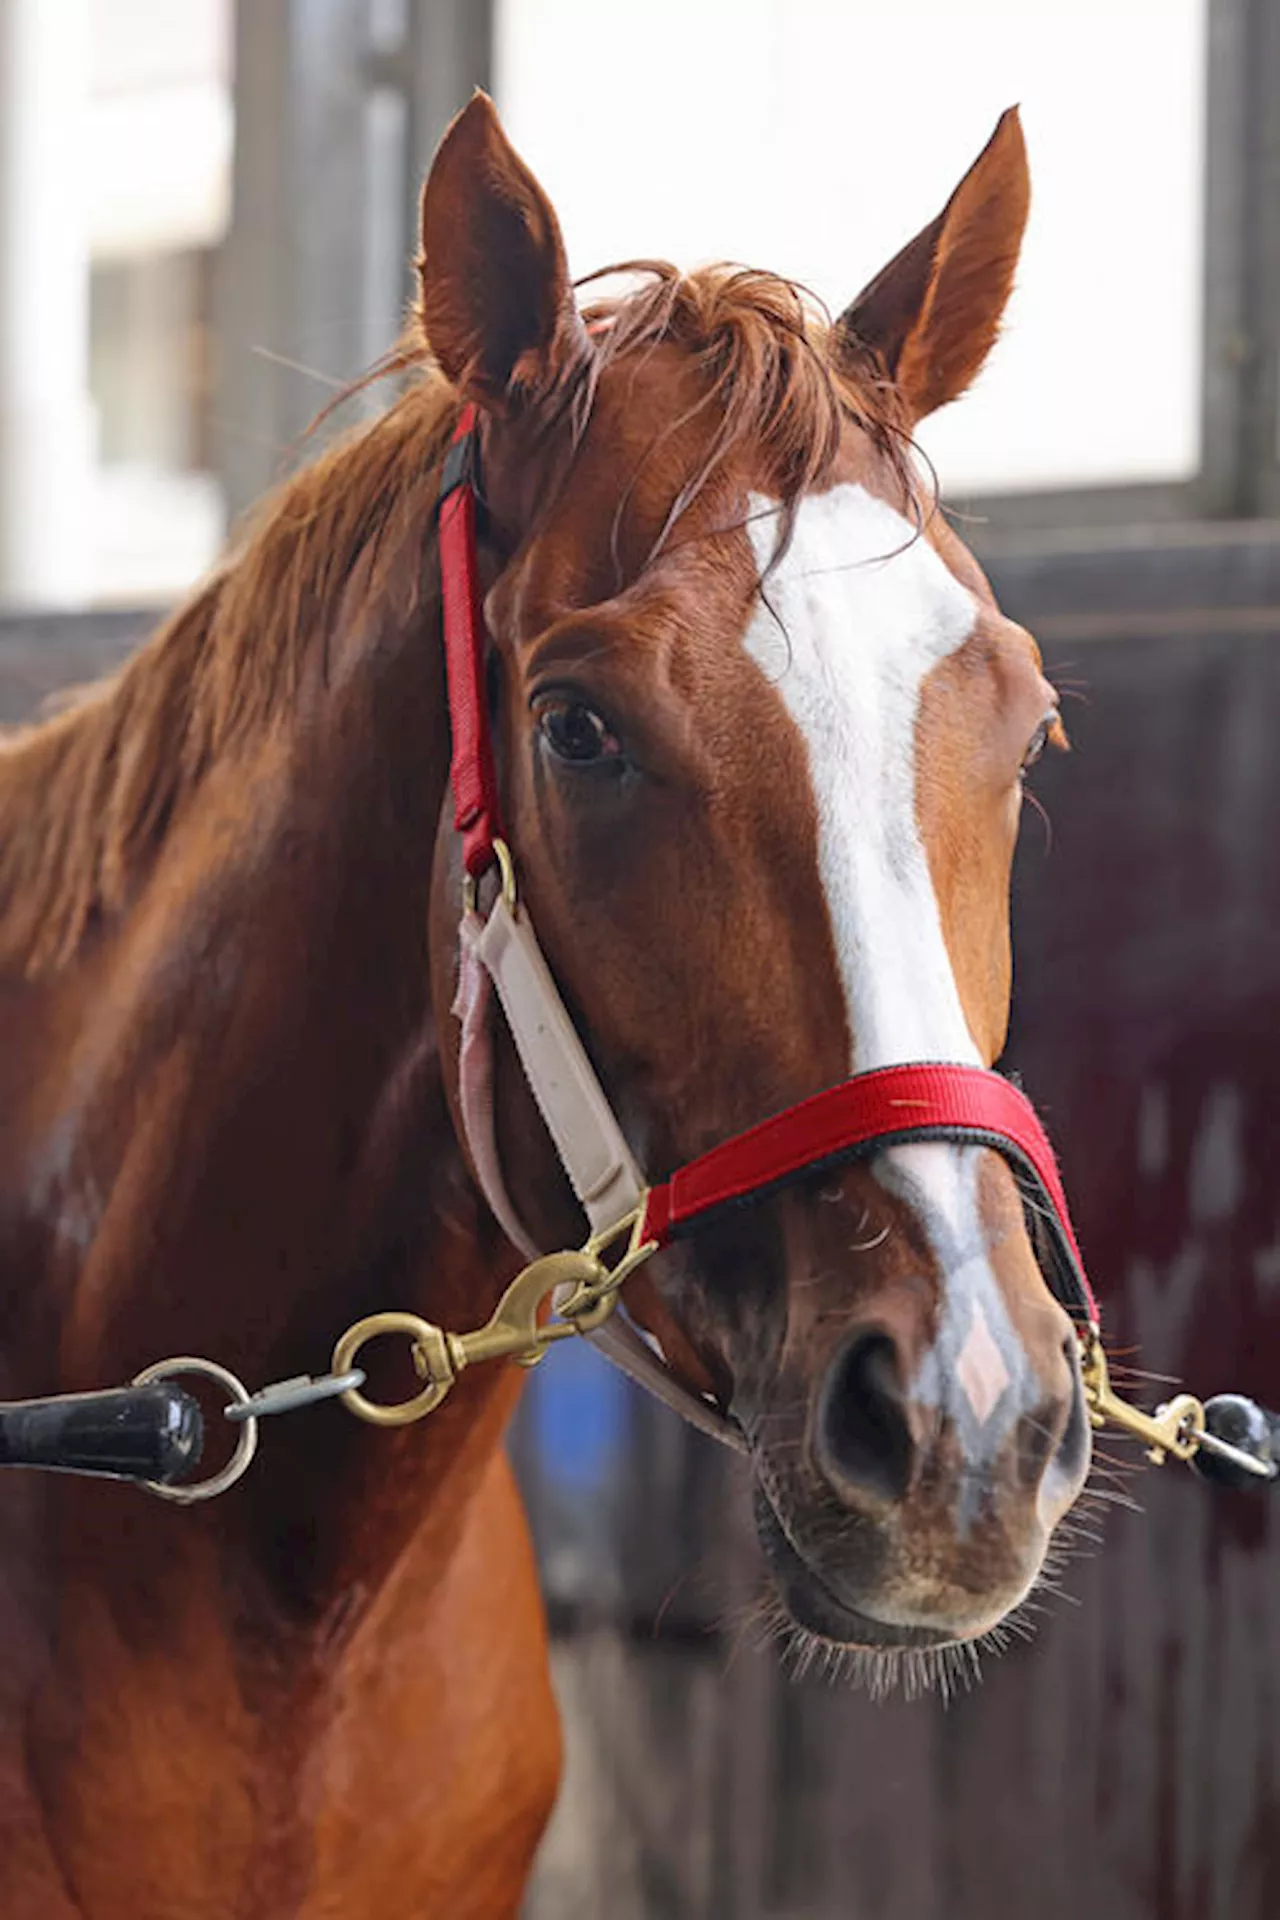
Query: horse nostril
{"type": "Point", "coordinates": [1073, 1448]}
{"type": "Point", "coordinates": [1056, 1433]}
{"type": "Point", "coordinates": [864, 1441]}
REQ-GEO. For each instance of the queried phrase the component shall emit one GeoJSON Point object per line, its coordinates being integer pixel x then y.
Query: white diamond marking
{"type": "Point", "coordinates": [981, 1368]}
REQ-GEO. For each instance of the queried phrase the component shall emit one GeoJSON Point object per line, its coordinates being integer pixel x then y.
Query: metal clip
{"type": "Point", "coordinates": [582, 1285]}
{"type": "Point", "coordinates": [1261, 1469]}
{"type": "Point", "coordinates": [301, 1390]}
{"type": "Point", "coordinates": [1176, 1428]}
{"type": "Point", "coordinates": [512, 1331]}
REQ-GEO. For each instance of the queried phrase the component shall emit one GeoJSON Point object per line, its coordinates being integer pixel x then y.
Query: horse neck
{"type": "Point", "coordinates": [239, 1140]}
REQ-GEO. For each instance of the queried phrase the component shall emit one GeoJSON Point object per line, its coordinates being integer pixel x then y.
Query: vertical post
{"type": "Point", "coordinates": [338, 105]}
{"type": "Point", "coordinates": [1261, 449]}
{"type": "Point", "coordinates": [450, 54]}
{"type": "Point", "coordinates": [1240, 475]}
{"type": "Point", "coordinates": [46, 431]}
{"type": "Point", "coordinates": [288, 298]}
{"type": "Point", "coordinates": [1226, 294]}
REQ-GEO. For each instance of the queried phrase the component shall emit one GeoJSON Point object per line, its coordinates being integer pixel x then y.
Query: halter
{"type": "Point", "coordinates": [152, 1431]}
{"type": "Point", "coordinates": [926, 1100]}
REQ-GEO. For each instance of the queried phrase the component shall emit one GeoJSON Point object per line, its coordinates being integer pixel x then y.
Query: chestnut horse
{"type": "Point", "coordinates": [761, 732]}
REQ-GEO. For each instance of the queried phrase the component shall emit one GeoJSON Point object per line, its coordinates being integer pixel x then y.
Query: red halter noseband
{"type": "Point", "coordinates": [886, 1107]}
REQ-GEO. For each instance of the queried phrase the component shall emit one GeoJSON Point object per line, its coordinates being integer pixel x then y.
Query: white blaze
{"type": "Point", "coordinates": [865, 611]}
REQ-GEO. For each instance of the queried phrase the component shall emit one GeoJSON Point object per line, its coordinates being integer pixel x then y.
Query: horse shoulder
{"type": "Point", "coordinates": [446, 1714]}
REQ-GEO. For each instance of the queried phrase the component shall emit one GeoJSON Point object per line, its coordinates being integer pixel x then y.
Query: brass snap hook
{"type": "Point", "coordinates": [1175, 1428]}
{"type": "Point", "coordinates": [582, 1286]}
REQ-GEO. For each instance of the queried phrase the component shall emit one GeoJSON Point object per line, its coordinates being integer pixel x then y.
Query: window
{"type": "Point", "coordinates": [159, 129]}
{"type": "Point", "coordinates": [802, 135]}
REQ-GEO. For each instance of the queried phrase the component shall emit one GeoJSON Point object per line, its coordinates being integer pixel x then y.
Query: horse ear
{"type": "Point", "coordinates": [497, 306]}
{"type": "Point", "coordinates": [931, 316]}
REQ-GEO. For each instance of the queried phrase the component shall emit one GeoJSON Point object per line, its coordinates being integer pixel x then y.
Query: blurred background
{"type": "Point", "coordinates": [206, 214]}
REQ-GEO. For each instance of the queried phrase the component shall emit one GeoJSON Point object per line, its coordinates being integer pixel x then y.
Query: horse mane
{"type": "Point", "coordinates": [87, 795]}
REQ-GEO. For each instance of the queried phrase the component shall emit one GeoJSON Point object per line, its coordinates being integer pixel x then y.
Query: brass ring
{"type": "Point", "coordinates": [506, 873]}
{"type": "Point", "coordinates": [400, 1413]}
{"type": "Point", "coordinates": [188, 1495]}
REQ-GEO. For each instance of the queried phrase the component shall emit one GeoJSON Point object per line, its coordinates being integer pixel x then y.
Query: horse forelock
{"type": "Point", "coordinates": [775, 379]}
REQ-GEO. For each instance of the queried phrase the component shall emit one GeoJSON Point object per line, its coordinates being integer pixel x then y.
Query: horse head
{"type": "Point", "coordinates": [762, 733]}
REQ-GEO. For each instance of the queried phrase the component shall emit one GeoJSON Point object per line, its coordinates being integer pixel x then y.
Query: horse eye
{"type": "Point", "coordinates": [576, 733]}
{"type": "Point", "coordinates": [1039, 740]}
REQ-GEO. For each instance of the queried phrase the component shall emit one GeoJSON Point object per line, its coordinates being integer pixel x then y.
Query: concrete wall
{"type": "Point", "coordinates": [39, 653]}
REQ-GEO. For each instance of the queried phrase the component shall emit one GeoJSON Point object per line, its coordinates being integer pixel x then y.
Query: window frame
{"type": "Point", "coordinates": [1239, 398]}
{"type": "Point", "coordinates": [303, 104]}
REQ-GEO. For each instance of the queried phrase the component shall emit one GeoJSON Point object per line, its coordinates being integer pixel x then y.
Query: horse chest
{"type": "Point", "coordinates": [153, 1750]}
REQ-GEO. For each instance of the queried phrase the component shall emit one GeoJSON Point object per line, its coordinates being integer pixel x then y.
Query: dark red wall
{"type": "Point", "coordinates": [1126, 1765]}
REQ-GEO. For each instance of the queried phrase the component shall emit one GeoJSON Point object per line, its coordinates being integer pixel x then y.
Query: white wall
{"type": "Point", "coordinates": [46, 518]}
{"type": "Point", "coordinates": [814, 137]}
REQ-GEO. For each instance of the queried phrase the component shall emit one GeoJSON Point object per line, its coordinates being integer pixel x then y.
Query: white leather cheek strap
{"type": "Point", "coordinates": [570, 1098]}
{"type": "Point", "coordinates": [593, 1150]}
{"type": "Point", "coordinates": [473, 1009]}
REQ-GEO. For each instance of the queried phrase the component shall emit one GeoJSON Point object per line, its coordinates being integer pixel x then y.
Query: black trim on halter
{"type": "Point", "coordinates": [1059, 1268]}
{"type": "Point", "coordinates": [461, 465]}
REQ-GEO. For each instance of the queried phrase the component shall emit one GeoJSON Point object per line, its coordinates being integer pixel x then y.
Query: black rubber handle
{"type": "Point", "coordinates": [154, 1432]}
{"type": "Point", "coordinates": [1244, 1424]}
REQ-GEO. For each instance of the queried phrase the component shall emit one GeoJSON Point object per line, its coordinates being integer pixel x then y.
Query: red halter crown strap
{"type": "Point", "coordinates": [477, 813]}
{"type": "Point", "coordinates": [886, 1107]}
